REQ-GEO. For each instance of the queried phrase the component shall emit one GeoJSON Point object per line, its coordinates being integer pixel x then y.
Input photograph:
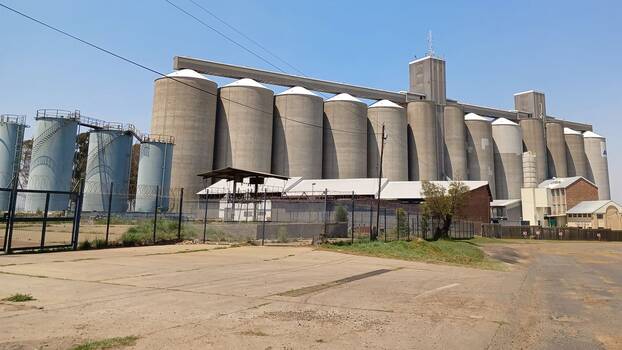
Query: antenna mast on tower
{"type": "Point", "coordinates": [430, 44]}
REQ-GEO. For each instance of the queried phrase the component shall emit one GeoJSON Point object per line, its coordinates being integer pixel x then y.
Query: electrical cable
{"type": "Point", "coordinates": [142, 66]}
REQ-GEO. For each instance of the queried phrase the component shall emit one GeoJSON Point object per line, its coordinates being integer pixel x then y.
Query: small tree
{"type": "Point", "coordinates": [341, 214]}
{"type": "Point", "coordinates": [443, 204]}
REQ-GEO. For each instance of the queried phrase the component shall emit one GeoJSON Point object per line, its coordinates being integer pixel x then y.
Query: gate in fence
{"type": "Point", "coordinates": [22, 231]}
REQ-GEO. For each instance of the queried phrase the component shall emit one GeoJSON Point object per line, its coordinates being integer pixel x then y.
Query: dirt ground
{"type": "Point", "coordinates": [553, 296]}
{"type": "Point", "coordinates": [29, 235]}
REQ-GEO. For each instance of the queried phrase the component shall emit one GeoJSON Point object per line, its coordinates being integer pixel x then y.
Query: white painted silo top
{"type": "Point", "coordinates": [473, 116]}
{"type": "Point", "coordinates": [297, 90]}
{"type": "Point", "coordinates": [386, 103]}
{"type": "Point", "coordinates": [592, 135]}
{"type": "Point", "coordinates": [344, 97]}
{"type": "Point", "coordinates": [186, 73]}
{"type": "Point", "coordinates": [246, 82]}
{"type": "Point", "coordinates": [569, 131]}
{"type": "Point", "coordinates": [503, 121]}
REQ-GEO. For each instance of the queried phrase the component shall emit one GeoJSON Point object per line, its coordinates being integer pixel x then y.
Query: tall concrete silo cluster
{"type": "Point", "coordinates": [153, 181]}
{"type": "Point", "coordinates": [454, 143]}
{"type": "Point", "coordinates": [597, 165]}
{"type": "Point", "coordinates": [395, 156]}
{"type": "Point", "coordinates": [480, 155]}
{"type": "Point", "coordinates": [508, 152]}
{"type": "Point", "coordinates": [345, 138]}
{"type": "Point", "coordinates": [11, 141]}
{"type": "Point", "coordinates": [244, 124]}
{"type": "Point", "coordinates": [184, 107]}
{"type": "Point", "coordinates": [51, 162]}
{"type": "Point", "coordinates": [108, 164]}
{"type": "Point", "coordinates": [422, 141]}
{"type": "Point", "coordinates": [575, 153]}
{"type": "Point", "coordinates": [297, 133]}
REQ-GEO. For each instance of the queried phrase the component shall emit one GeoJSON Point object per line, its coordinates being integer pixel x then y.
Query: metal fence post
{"type": "Point", "coordinates": [9, 225]}
{"type": "Point", "coordinates": [352, 214]}
{"type": "Point", "coordinates": [397, 218]}
{"type": "Point", "coordinates": [325, 213]}
{"type": "Point", "coordinates": [371, 220]}
{"type": "Point", "coordinates": [155, 214]}
{"type": "Point", "coordinates": [78, 216]}
{"type": "Point", "coordinates": [385, 224]}
{"type": "Point", "coordinates": [263, 224]}
{"type": "Point", "coordinates": [408, 225]}
{"type": "Point", "coordinates": [45, 219]}
{"type": "Point", "coordinates": [181, 206]}
{"type": "Point", "coordinates": [109, 210]}
{"type": "Point", "coordinates": [205, 216]}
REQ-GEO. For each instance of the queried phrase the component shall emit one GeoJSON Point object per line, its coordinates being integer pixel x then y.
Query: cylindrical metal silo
{"type": "Point", "coordinates": [530, 178]}
{"type": "Point", "coordinates": [533, 140]}
{"type": "Point", "coordinates": [455, 143]}
{"type": "Point", "coordinates": [184, 106]}
{"type": "Point", "coordinates": [395, 158]}
{"type": "Point", "coordinates": [575, 153]}
{"type": "Point", "coordinates": [556, 150]}
{"type": "Point", "coordinates": [11, 140]}
{"type": "Point", "coordinates": [422, 141]}
{"type": "Point", "coordinates": [297, 134]}
{"type": "Point", "coordinates": [508, 152]}
{"type": "Point", "coordinates": [480, 155]}
{"type": "Point", "coordinates": [51, 162]}
{"type": "Point", "coordinates": [108, 162]}
{"type": "Point", "coordinates": [244, 123]}
{"type": "Point", "coordinates": [154, 173]}
{"type": "Point", "coordinates": [597, 167]}
{"type": "Point", "coordinates": [345, 138]}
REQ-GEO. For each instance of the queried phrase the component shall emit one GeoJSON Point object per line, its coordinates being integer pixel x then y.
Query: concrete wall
{"type": "Point", "coordinates": [422, 141]}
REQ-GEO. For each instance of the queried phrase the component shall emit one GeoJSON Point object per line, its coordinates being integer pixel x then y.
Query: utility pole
{"type": "Point", "coordinates": [375, 236]}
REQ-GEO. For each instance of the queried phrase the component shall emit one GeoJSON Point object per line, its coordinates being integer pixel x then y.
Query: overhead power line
{"type": "Point", "coordinates": [152, 70]}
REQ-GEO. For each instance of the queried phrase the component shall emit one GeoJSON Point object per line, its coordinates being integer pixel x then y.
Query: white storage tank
{"type": "Point", "coordinates": [244, 126]}
{"type": "Point", "coordinates": [345, 138]}
{"type": "Point", "coordinates": [297, 134]}
{"type": "Point", "coordinates": [395, 157]}
{"type": "Point", "coordinates": [154, 173]}
{"type": "Point", "coordinates": [11, 140]}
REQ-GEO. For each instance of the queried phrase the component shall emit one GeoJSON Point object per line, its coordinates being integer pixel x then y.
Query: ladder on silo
{"type": "Point", "coordinates": [90, 156]}
{"type": "Point", "coordinates": [46, 135]}
{"type": "Point", "coordinates": [18, 154]}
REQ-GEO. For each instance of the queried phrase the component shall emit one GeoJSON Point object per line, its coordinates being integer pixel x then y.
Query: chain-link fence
{"type": "Point", "coordinates": [550, 233]}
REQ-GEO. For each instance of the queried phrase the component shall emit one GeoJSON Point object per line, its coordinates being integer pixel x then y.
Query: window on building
{"type": "Point", "coordinates": [599, 216]}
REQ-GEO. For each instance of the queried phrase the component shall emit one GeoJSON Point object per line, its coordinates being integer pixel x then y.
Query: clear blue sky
{"type": "Point", "coordinates": [571, 50]}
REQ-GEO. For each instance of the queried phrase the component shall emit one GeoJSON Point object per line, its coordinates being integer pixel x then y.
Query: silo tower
{"type": "Point", "coordinates": [154, 173]}
{"type": "Point", "coordinates": [11, 140]}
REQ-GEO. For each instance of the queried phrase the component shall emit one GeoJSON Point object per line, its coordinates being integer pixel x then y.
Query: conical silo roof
{"type": "Point", "coordinates": [386, 104]}
{"type": "Point", "coordinates": [297, 90]}
{"type": "Point", "coordinates": [503, 121]}
{"type": "Point", "coordinates": [344, 97]}
{"type": "Point", "coordinates": [473, 116]}
{"type": "Point", "coordinates": [246, 82]}
{"type": "Point", "coordinates": [569, 131]}
{"type": "Point", "coordinates": [592, 135]}
{"type": "Point", "coordinates": [187, 73]}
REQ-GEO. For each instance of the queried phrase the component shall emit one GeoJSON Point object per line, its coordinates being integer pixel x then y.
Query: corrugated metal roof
{"type": "Point", "coordinates": [593, 207]}
{"type": "Point", "coordinates": [337, 187]}
{"type": "Point", "coordinates": [510, 203]}
{"type": "Point", "coordinates": [412, 189]}
{"type": "Point", "coordinates": [561, 182]}
{"type": "Point", "coordinates": [271, 185]}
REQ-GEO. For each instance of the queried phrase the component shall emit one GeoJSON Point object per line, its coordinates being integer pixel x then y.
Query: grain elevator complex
{"type": "Point", "coordinates": [300, 132]}
{"type": "Point", "coordinates": [428, 136]}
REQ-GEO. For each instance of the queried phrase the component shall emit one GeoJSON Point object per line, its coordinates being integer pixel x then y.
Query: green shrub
{"type": "Point", "coordinates": [341, 214]}
{"type": "Point", "coordinates": [19, 298]}
{"type": "Point", "coordinates": [85, 245]}
{"type": "Point", "coordinates": [166, 231]}
{"type": "Point", "coordinates": [100, 243]}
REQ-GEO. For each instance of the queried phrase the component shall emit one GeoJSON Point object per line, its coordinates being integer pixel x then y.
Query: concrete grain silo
{"type": "Point", "coordinates": [297, 134]}
{"type": "Point", "coordinates": [11, 140]}
{"type": "Point", "coordinates": [455, 143]}
{"type": "Point", "coordinates": [51, 161]}
{"type": "Point", "coordinates": [508, 153]}
{"type": "Point", "coordinates": [533, 141]}
{"type": "Point", "coordinates": [108, 162]}
{"type": "Point", "coordinates": [575, 153]}
{"type": "Point", "coordinates": [422, 141]}
{"type": "Point", "coordinates": [597, 167]}
{"type": "Point", "coordinates": [184, 106]}
{"type": "Point", "coordinates": [556, 150]}
{"type": "Point", "coordinates": [395, 158]}
{"type": "Point", "coordinates": [530, 177]}
{"type": "Point", "coordinates": [244, 126]}
{"type": "Point", "coordinates": [154, 173]}
{"type": "Point", "coordinates": [345, 138]}
{"type": "Point", "coordinates": [480, 155]}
